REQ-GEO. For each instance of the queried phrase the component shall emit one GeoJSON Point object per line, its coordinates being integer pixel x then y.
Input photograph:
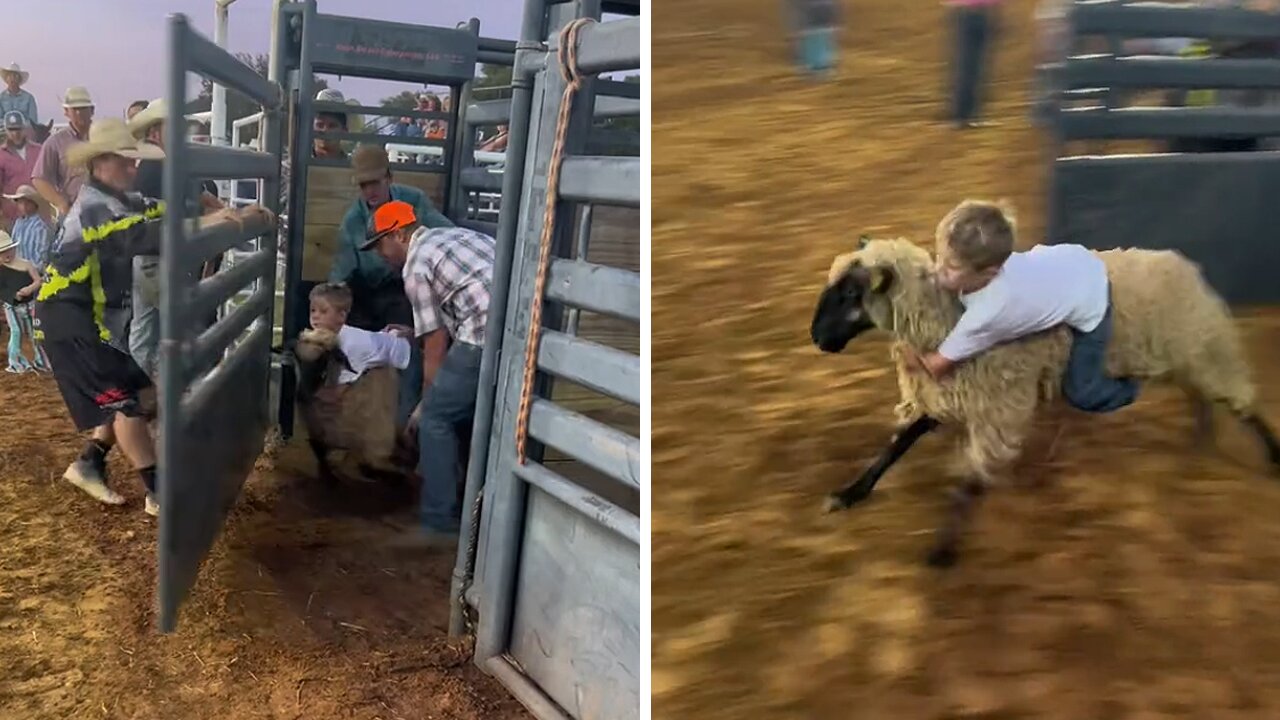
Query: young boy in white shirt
{"type": "Point", "coordinates": [364, 350]}
{"type": "Point", "coordinates": [1009, 294]}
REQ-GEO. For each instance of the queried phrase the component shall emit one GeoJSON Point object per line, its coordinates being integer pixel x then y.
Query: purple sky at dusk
{"type": "Point", "coordinates": [82, 42]}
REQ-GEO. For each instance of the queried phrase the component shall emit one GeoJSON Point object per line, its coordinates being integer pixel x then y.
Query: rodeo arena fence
{"type": "Point", "coordinates": [1213, 206]}
{"type": "Point", "coordinates": [548, 565]}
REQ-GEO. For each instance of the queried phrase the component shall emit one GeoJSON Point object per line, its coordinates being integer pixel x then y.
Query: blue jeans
{"type": "Point", "coordinates": [450, 403]}
{"type": "Point", "coordinates": [1085, 384]}
{"type": "Point", "coordinates": [974, 27]}
{"type": "Point", "coordinates": [20, 319]}
{"type": "Point", "coordinates": [144, 327]}
{"type": "Point", "coordinates": [817, 48]}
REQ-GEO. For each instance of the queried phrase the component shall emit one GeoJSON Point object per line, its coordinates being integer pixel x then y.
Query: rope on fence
{"type": "Point", "coordinates": [567, 54]}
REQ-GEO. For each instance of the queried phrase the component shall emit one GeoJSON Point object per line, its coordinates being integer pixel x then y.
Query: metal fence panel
{"type": "Point", "coordinates": [603, 180]}
{"type": "Point", "coordinates": [212, 428]}
{"type": "Point", "coordinates": [558, 565]}
{"type": "Point", "coordinates": [1160, 20]}
{"type": "Point", "coordinates": [579, 611]}
{"type": "Point", "coordinates": [1191, 203]}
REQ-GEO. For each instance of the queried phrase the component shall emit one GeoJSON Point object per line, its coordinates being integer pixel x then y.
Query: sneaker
{"type": "Point", "coordinates": [151, 507]}
{"type": "Point", "coordinates": [85, 476]}
{"type": "Point", "coordinates": [15, 370]}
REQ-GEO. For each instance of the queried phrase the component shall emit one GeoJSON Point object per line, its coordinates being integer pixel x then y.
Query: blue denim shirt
{"type": "Point", "coordinates": [349, 260]}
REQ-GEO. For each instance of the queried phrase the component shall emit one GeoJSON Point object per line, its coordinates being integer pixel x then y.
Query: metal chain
{"type": "Point", "coordinates": [567, 54]}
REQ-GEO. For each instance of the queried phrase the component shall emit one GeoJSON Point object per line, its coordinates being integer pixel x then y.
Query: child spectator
{"type": "Point", "coordinates": [18, 310]}
{"type": "Point", "coordinates": [33, 228]}
{"type": "Point", "coordinates": [1007, 295]}
{"type": "Point", "coordinates": [364, 349]}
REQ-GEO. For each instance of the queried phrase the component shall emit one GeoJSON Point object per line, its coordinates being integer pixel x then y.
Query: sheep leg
{"type": "Point", "coordinates": [1266, 435]}
{"type": "Point", "coordinates": [964, 499]}
{"type": "Point", "coordinates": [322, 460]}
{"type": "Point", "coordinates": [1202, 415]}
{"type": "Point", "coordinates": [858, 490]}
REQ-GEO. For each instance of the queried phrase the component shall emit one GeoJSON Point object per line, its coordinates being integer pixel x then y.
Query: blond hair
{"type": "Point", "coordinates": [980, 234]}
{"type": "Point", "coordinates": [337, 295]}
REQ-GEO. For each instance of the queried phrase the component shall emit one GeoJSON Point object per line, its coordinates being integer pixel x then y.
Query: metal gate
{"type": "Point", "coordinates": [213, 378]}
{"type": "Point", "coordinates": [558, 566]}
{"type": "Point", "coordinates": [1214, 207]}
{"type": "Point", "coordinates": [359, 47]}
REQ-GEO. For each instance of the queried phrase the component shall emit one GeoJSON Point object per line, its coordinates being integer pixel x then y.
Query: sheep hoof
{"type": "Point", "coordinates": [943, 556]}
{"type": "Point", "coordinates": [834, 503]}
{"type": "Point", "coordinates": [846, 498]}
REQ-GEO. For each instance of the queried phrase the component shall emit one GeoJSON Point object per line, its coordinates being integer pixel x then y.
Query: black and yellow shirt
{"type": "Point", "coordinates": [90, 266]}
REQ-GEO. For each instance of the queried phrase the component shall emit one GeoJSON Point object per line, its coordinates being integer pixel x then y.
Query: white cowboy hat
{"type": "Point", "coordinates": [26, 192]}
{"type": "Point", "coordinates": [7, 242]}
{"type": "Point", "coordinates": [111, 136]}
{"type": "Point", "coordinates": [23, 75]}
{"type": "Point", "coordinates": [155, 112]}
{"type": "Point", "coordinates": [77, 97]}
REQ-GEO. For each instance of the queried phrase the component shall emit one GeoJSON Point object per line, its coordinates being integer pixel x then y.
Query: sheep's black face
{"type": "Point", "coordinates": [311, 376]}
{"type": "Point", "coordinates": [315, 374]}
{"type": "Point", "coordinates": [841, 314]}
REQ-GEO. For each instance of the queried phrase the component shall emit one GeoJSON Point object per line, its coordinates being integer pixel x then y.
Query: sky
{"type": "Point", "coordinates": [82, 42]}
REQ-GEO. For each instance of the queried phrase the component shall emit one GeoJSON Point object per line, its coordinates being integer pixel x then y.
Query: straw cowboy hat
{"type": "Point", "coordinates": [15, 69]}
{"type": "Point", "coordinates": [111, 136]}
{"type": "Point", "coordinates": [77, 97]}
{"type": "Point", "coordinates": [7, 242]}
{"type": "Point", "coordinates": [156, 111]}
{"type": "Point", "coordinates": [26, 192]}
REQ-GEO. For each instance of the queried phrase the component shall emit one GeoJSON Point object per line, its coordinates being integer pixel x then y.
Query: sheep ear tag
{"type": "Point", "coordinates": [880, 278]}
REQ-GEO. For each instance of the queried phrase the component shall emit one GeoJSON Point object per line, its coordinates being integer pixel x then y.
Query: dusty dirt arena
{"type": "Point", "coordinates": [298, 614]}
{"type": "Point", "coordinates": [1139, 582]}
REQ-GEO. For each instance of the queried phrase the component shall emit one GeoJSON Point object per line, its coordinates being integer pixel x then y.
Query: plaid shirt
{"type": "Point", "coordinates": [447, 277]}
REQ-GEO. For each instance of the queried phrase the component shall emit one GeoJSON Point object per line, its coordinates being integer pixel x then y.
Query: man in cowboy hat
{"type": "Point", "coordinates": [88, 271]}
{"type": "Point", "coordinates": [377, 288]}
{"type": "Point", "coordinates": [14, 99]}
{"type": "Point", "coordinates": [147, 125]}
{"type": "Point", "coordinates": [56, 179]}
{"type": "Point", "coordinates": [17, 159]}
{"type": "Point", "coordinates": [328, 121]}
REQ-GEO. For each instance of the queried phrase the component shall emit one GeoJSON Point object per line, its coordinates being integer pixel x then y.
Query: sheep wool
{"type": "Point", "coordinates": [359, 417]}
{"type": "Point", "coordinates": [1168, 322]}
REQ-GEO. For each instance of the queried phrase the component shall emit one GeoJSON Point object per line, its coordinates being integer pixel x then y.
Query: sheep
{"type": "Point", "coordinates": [359, 417]}
{"type": "Point", "coordinates": [1168, 324]}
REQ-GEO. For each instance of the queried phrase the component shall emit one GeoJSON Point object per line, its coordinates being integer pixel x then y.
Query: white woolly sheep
{"type": "Point", "coordinates": [1168, 323]}
{"type": "Point", "coordinates": [358, 417]}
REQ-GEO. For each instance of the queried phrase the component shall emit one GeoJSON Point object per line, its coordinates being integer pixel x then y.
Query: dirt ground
{"type": "Point", "coordinates": [1138, 582]}
{"type": "Point", "coordinates": [299, 613]}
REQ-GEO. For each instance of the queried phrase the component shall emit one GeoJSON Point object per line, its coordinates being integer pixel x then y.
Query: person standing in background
{"type": "Point", "coordinates": [18, 157]}
{"type": "Point", "coordinates": [815, 24]}
{"type": "Point", "coordinates": [14, 99]}
{"type": "Point", "coordinates": [57, 180]}
{"type": "Point", "coordinates": [975, 25]}
{"type": "Point", "coordinates": [134, 108]}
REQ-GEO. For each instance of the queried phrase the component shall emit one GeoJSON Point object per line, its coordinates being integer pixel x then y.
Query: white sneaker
{"type": "Point", "coordinates": [83, 475]}
{"type": "Point", "coordinates": [151, 507]}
